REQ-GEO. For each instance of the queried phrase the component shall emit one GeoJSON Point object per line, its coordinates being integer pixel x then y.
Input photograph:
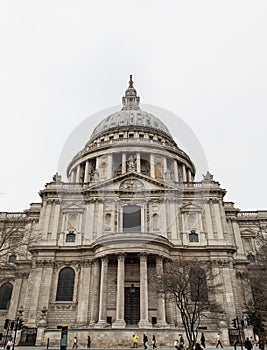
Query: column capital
{"type": "Point", "coordinates": [96, 262]}
{"type": "Point", "coordinates": [121, 256]}
{"type": "Point", "coordinates": [143, 256]}
{"type": "Point", "coordinates": [104, 259]}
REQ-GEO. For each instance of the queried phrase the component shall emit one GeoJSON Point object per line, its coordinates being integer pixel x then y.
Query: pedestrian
{"type": "Point", "coordinates": [219, 341]}
{"type": "Point", "coordinates": [135, 341]}
{"type": "Point", "coordinates": [145, 341]}
{"type": "Point", "coordinates": [176, 344]}
{"type": "Point", "coordinates": [235, 344]}
{"type": "Point", "coordinates": [248, 344]}
{"type": "Point", "coordinates": [154, 342]}
{"type": "Point", "coordinates": [75, 343]}
{"type": "Point", "coordinates": [89, 342]}
{"type": "Point", "coordinates": [203, 340]}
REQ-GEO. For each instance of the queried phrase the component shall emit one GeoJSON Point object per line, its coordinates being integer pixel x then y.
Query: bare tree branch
{"type": "Point", "coordinates": [193, 290]}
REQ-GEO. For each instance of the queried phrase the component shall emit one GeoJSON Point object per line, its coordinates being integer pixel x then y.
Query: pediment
{"type": "Point", "coordinates": [191, 207]}
{"type": "Point", "coordinates": [72, 207]}
{"type": "Point", "coordinates": [248, 232]}
{"type": "Point", "coordinates": [130, 182]}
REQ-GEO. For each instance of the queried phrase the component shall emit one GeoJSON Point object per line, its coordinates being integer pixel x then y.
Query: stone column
{"type": "Point", "coordinates": [218, 220]}
{"type": "Point", "coordinates": [110, 159]}
{"type": "Point", "coordinates": [208, 220]}
{"type": "Point", "coordinates": [138, 162]}
{"type": "Point", "coordinates": [33, 294]}
{"type": "Point", "coordinates": [47, 213]}
{"type": "Point", "coordinates": [97, 164]}
{"type": "Point", "coordinates": [120, 323]}
{"type": "Point", "coordinates": [102, 319]}
{"type": "Point", "coordinates": [72, 177]}
{"type": "Point", "coordinates": [152, 166]}
{"type": "Point", "coordinates": [123, 163]}
{"type": "Point", "coordinates": [165, 167]}
{"type": "Point", "coordinates": [189, 175]}
{"type": "Point", "coordinates": [95, 292]}
{"type": "Point", "coordinates": [54, 229]}
{"type": "Point", "coordinates": [14, 302]}
{"type": "Point", "coordinates": [184, 173]}
{"type": "Point", "coordinates": [175, 171]}
{"type": "Point", "coordinates": [86, 171]}
{"type": "Point", "coordinates": [143, 293]}
{"type": "Point", "coordinates": [170, 310]}
{"type": "Point", "coordinates": [161, 319]}
{"type": "Point", "coordinates": [78, 174]}
{"type": "Point", "coordinates": [83, 294]}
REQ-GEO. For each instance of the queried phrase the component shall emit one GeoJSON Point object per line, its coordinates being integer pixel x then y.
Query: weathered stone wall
{"type": "Point", "coordinates": [122, 338]}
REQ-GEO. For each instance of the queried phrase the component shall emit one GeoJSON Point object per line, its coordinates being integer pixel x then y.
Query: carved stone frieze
{"type": "Point", "coordinates": [131, 185]}
{"type": "Point", "coordinates": [44, 263]}
{"type": "Point", "coordinates": [64, 306]}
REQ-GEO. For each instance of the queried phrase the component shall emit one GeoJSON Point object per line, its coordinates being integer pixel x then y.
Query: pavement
{"type": "Point", "coordinates": [140, 347]}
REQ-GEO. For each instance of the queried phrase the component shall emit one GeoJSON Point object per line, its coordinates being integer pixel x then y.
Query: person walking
{"type": "Point", "coordinates": [219, 341]}
{"type": "Point", "coordinates": [145, 341]}
{"type": "Point", "coordinates": [89, 342]}
{"type": "Point", "coordinates": [75, 343]}
{"type": "Point", "coordinates": [154, 341]}
{"type": "Point", "coordinates": [248, 344]}
{"type": "Point", "coordinates": [176, 344]}
{"type": "Point", "coordinates": [135, 341]}
{"type": "Point", "coordinates": [203, 341]}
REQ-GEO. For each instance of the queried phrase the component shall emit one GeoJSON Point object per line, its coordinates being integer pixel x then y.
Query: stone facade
{"type": "Point", "coordinates": [130, 204]}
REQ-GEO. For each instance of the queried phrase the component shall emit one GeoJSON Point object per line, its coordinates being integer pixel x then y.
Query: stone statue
{"type": "Point", "coordinates": [208, 177]}
{"type": "Point", "coordinates": [131, 164]}
{"type": "Point", "coordinates": [57, 177]}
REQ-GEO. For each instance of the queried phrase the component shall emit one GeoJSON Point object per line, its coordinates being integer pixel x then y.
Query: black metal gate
{"type": "Point", "coordinates": [28, 336]}
{"type": "Point", "coordinates": [132, 305]}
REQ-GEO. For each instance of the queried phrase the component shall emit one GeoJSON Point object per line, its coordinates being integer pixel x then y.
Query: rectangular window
{"type": "Point", "coordinates": [131, 218]}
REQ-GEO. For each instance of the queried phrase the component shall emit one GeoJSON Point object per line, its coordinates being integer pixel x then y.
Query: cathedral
{"type": "Point", "coordinates": [130, 204]}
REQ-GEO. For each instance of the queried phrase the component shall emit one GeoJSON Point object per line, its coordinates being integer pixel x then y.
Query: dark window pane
{"type": "Point", "coordinates": [70, 237]}
{"type": "Point", "coordinates": [65, 284]}
{"type": "Point", "coordinates": [12, 257]}
{"type": "Point", "coordinates": [5, 295]}
{"type": "Point", "coordinates": [132, 218]}
{"type": "Point", "coordinates": [193, 237]}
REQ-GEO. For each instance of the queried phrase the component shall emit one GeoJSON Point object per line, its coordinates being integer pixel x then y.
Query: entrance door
{"type": "Point", "coordinates": [28, 336]}
{"type": "Point", "coordinates": [132, 305]}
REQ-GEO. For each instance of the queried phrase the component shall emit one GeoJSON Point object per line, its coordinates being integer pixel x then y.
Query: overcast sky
{"type": "Point", "coordinates": [62, 61]}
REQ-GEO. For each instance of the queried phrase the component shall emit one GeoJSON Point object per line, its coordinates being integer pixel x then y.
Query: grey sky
{"type": "Point", "coordinates": [62, 61]}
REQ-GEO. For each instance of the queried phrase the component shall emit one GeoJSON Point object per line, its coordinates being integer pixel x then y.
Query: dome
{"type": "Point", "coordinates": [130, 117]}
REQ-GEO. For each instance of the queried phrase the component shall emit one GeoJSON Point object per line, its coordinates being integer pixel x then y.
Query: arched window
{"type": "Point", "coordinates": [65, 284]}
{"type": "Point", "coordinates": [193, 236]}
{"type": "Point", "coordinates": [155, 222]}
{"type": "Point", "coordinates": [131, 218]}
{"type": "Point", "coordinates": [5, 295]}
{"type": "Point", "coordinates": [70, 237]}
{"type": "Point", "coordinates": [12, 257]}
{"type": "Point", "coordinates": [198, 285]}
{"type": "Point", "coordinates": [108, 219]}
{"type": "Point", "coordinates": [251, 257]}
